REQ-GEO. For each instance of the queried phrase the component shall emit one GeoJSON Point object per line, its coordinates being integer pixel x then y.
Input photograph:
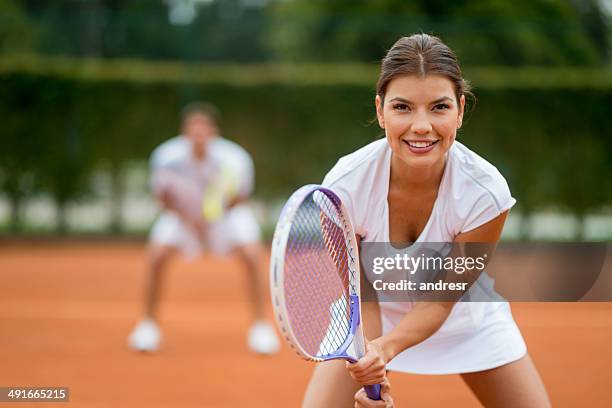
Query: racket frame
{"type": "Point", "coordinates": [277, 264]}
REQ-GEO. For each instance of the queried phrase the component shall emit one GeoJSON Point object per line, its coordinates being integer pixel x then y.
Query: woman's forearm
{"type": "Point", "coordinates": [423, 320]}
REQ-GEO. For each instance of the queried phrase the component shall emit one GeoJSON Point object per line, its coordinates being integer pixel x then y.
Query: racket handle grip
{"type": "Point", "coordinates": [373, 391]}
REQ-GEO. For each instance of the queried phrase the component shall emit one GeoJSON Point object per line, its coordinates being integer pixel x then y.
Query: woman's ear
{"type": "Point", "coordinates": [461, 111]}
{"type": "Point", "coordinates": [379, 111]}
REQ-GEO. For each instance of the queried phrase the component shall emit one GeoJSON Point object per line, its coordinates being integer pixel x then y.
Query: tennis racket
{"type": "Point", "coordinates": [222, 189]}
{"type": "Point", "coordinates": [314, 277]}
{"type": "Point", "coordinates": [184, 193]}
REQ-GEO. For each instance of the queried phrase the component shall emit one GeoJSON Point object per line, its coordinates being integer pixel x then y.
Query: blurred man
{"type": "Point", "coordinates": [202, 183]}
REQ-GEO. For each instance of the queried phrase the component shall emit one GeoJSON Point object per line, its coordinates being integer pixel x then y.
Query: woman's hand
{"type": "Point", "coordinates": [370, 369]}
{"type": "Point", "coordinates": [362, 400]}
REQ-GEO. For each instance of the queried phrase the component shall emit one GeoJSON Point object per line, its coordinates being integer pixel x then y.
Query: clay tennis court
{"type": "Point", "coordinates": [66, 309]}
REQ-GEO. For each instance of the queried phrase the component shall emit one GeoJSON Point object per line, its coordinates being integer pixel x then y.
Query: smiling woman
{"type": "Point", "coordinates": [421, 185]}
{"type": "Point", "coordinates": [420, 88]}
{"type": "Point", "coordinates": [420, 116]}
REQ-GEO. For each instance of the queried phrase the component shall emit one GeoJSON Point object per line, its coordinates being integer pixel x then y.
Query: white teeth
{"type": "Point", "coordinates": [420, 144]}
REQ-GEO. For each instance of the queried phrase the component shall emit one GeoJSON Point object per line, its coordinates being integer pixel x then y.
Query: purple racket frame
{"type": "Point", "coordinates": [277, 263]}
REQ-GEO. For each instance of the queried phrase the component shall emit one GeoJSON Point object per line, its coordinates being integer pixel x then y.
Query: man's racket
{"type": "Point", "coordinates": [221, 190]}
{"type": "Point", "coordinates": [183, 192]}
{"type": "Point", "coordinates": [314, 276]}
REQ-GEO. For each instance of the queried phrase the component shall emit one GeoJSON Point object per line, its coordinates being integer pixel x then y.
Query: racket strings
{"type": "Point", "coordinates": [334, 238]}
{"type": "Point", "coordinates": [318, 271]}
{"type": "Point", "coordinates": [337, 241]}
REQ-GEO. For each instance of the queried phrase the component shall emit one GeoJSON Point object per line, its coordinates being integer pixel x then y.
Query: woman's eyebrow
{"type": "Point", "coordinates": [400, 99]}
{"type": "Point", "coordinates": [406, 101]}
{"type": "Point", "coordinates": [442, 99]}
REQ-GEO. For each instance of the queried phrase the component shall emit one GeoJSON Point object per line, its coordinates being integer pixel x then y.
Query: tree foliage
{"type": "Point", "coordinates": [483, 32]}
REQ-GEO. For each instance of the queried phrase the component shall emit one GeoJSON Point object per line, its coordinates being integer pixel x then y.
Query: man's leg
{"type": "Point", "coordinates": [238, 233]}
{"type": "Point", "coordinates": [251, 256]}
{"type": "Point", "coordinates": [168, 235]}
{"type": "Point", "coordinates": [262, 337]}
{"type": "Point", "coordinates": [146, 336]}
{"type": "Point", "coordinates": [159, 257]}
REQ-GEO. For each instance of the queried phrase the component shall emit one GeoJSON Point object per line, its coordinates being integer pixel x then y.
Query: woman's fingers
{"type": "Point", "coordinates": [370, 369]}
{"type": "Point", "coordinates": [362, 400]}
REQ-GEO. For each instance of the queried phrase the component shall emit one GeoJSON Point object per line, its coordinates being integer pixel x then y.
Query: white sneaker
{"type": "Point", "coordinates": [262, 338]}
{"type": "Point", "coordinates": [145, 336]}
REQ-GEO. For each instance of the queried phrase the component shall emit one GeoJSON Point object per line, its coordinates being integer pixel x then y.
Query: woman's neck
{"type": "Point", "coordinates": [416, 179]}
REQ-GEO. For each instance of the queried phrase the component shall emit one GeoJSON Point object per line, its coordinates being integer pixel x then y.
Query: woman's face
{"type": "Point", "coordinates": [420, 116]}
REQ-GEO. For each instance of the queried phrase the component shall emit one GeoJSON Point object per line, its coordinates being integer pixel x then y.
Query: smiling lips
{"type": "Point", "coordinates": [420, 146]}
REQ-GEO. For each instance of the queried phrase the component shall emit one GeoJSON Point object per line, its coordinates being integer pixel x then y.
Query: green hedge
{"type": "Point", "coordinates": [553, 144]}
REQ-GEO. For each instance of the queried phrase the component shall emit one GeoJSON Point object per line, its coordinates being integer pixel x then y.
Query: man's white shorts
{"type": "Point", "coordinates": [237, 227]}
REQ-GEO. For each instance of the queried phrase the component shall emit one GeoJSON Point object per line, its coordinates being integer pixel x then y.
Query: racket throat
{"type": "Point", "coordinates": [355, 335]}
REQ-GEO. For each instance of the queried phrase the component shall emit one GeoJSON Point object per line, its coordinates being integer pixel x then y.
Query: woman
{"type": "Point", "coordinates": [420, 185]}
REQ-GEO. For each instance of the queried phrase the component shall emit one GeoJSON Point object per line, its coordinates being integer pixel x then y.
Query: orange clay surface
{"type": "Point", "coordinates": [66, 310]}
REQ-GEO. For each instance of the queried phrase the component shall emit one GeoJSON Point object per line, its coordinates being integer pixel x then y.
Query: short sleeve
{"type": "Point", "coordinates": [157, 162]}
{"type": "Point", "coordinates": [485, 205]}
{"type": "Point", "coordinates": [172, 153]}
{"type": "Point", "coordinates": [477, 192]}
{"type": "Point", "coordinates": [236, 166]}
{"type": "Point", "coordinates": [359, 179]}
{"type": "Point", "coordinates": [247, 175]}
{"type": "Point", "coordinates": [340, 186]}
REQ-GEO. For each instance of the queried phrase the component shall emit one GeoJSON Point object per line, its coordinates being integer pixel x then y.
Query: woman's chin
{"type": "Point", "coordinates": [424, 161]}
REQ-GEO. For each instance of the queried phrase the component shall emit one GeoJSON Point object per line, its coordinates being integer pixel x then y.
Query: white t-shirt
{"type": "Point", "coordinates": [221, 155]}
{"type": "Point", "coordinates": [476, 336]}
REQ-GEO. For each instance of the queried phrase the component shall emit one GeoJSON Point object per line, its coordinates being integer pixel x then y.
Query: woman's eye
{"type": "Point", "coordinates": [401, 107]}
{"type": "Point", "coordinates": [441, 106]}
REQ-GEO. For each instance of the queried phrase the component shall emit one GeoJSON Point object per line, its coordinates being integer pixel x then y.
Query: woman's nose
{"type": "Point", "coordinates": [421, 124]}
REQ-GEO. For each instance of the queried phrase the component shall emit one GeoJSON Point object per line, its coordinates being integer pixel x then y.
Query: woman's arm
{"type": "Point", "coordinates": [422, 321]}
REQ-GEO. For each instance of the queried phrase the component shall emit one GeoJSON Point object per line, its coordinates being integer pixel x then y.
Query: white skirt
{"type": "Point", "coordinates": [476, 336]}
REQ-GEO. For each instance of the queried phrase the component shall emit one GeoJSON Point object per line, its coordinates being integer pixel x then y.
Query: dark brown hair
{"type": "Point", "coordinates": [422, 55]}
{"type": "Point", "coordinates": [200, 108]}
